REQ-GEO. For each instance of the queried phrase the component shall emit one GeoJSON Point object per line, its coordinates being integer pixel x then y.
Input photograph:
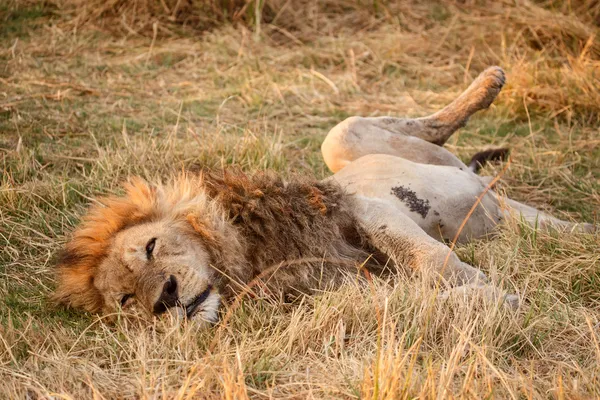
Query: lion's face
{"type": "Point", "coordinates": [168, 249]}
{"type": "Point", "coordinates": [162, 267]}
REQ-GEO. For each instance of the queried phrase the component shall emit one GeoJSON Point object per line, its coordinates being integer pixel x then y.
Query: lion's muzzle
{"type": "Point", "coordinates": [158, 293]}
{"type": "Point", "coordinates": [168, 297]}
{"type": "Point", "coordinates": [191, 308]}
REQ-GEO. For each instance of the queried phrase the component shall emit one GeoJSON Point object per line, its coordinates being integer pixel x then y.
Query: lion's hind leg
{"type": "Point", "coordinates": [418, 139]}
{"type": "Point", "coordinates": [437, 128]}
{"type": "Point", "coordinates": [538, 219]}
{"type": "Point", "coordinates": [478, 96]}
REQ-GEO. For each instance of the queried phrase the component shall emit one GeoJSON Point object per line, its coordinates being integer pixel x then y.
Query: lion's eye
{"type": "Point", "coordinates": [150, 248]}
{"type": "Point", "coordinates": [125, 298]}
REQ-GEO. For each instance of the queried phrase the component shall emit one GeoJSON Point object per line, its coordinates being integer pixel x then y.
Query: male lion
{"type": "Point", "coordinates": [396, 196]}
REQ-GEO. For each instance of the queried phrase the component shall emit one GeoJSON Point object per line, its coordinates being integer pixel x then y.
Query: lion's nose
{"type": "Point", "coordinates": [168, 297]}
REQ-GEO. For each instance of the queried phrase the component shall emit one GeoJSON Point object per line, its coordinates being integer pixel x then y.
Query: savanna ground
{"type": "Point", "coordinates": [92, 92]}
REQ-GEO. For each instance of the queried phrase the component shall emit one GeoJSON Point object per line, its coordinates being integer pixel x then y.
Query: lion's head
{"type": "Point", "coordinates": [165, 248]}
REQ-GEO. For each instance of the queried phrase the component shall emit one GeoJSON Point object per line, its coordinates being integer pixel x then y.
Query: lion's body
{"type": "Point", "coordinates": [302, 231]}
{"type": "Point", "coordinates": [396, 195]}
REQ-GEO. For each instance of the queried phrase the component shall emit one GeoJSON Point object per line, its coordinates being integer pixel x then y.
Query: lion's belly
{"type": "Point", "coordinates": [437, 198]}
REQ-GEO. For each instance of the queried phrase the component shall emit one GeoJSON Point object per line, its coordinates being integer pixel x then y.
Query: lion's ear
{"type": "Point", "coordinates": [203, 229]}
{"type": "Point", "coordinates": [224, 245]}
{"type": "Point", "coordinates": [76, 284]}
{"type": "Point", "coordinates": [213, 237]}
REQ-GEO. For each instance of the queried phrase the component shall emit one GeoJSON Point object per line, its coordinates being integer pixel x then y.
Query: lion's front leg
{"type": "Point", "coordinates": [486, 292]}
{"type": "Point", "coordinates": [401, 239]}
{"type": "Point", "coordinates": [407, 245]}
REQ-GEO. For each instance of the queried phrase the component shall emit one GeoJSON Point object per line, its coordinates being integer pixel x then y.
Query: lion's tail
{"type": "Point", "coordinates": [479, 159]}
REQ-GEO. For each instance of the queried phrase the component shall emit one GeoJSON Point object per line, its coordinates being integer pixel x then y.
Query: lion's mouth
{"type": "Point", "coordinates": [193, 306]}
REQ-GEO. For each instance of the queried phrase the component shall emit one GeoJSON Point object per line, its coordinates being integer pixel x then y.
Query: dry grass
{"type": "Point", "coordinates": [86, 101]}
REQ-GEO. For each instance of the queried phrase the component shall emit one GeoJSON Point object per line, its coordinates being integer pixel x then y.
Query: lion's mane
{"type": "Point", "coordinates": [303, 230]}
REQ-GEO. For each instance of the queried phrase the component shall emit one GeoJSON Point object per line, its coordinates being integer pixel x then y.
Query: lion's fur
{"type": "Point", "coordinates": [298, 221]}
{"type": "Point", "coordinates": [247, 223]}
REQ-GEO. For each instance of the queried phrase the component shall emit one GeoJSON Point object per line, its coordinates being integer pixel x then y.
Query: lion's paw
{"type": "Point", "coordinates": [589, 228]}
{"type": "Point", "coordinates": [494, 77]}
{"type": "Point", "coordinates": [512, 301]}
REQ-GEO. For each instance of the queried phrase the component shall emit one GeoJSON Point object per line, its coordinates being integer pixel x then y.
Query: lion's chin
{"type": "Point", "coordinates": [205, 314]}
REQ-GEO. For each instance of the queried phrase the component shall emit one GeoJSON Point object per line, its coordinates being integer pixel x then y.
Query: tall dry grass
{"type": "Point", "coordinates": [91, 92]}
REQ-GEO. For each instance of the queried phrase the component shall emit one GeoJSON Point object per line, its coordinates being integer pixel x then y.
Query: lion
{"type": "Point", "coordinates": [396, 197]}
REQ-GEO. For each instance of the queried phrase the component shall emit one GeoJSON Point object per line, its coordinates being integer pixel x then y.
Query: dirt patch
{"type": "Point", "coordinates": [410, 198]}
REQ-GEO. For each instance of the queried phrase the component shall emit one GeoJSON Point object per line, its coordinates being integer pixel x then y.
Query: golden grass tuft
{"type": "Point", "coordinates": [172, 17]}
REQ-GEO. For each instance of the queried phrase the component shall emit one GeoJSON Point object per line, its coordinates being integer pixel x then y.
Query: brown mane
{"type": "Point", "coordinates": [289, 221]}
